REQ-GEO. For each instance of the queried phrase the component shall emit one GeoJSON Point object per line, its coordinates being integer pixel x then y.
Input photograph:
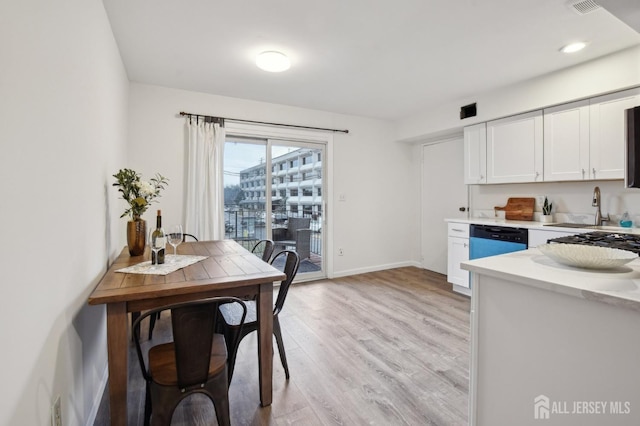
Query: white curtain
{"type": "Point", "coordinates": [204, 210]}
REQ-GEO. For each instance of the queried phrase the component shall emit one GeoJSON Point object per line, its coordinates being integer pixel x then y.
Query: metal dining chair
{"type": "Point", "coordinates": [264, 248]}
{"type": "Point", "coordinates": [195, 361]}
{"type": "Point", "coordinates": [231, 325]}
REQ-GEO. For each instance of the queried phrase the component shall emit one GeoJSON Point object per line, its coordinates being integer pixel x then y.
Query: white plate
{"type": "Point", "coordinates": [590, 257]}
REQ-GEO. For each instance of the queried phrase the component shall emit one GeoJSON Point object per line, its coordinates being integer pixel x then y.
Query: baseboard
{"type": "Point", "coordinates": [91, 419]}
{"type": "Point", "coordinates": [375, 268]}
{"type": "Point", "coordinates": [462, 290]}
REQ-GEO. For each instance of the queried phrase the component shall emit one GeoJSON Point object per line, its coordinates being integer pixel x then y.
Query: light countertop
{"type": "Point", "coordinates": [619, 286]}
{"type": "Point", "coordinates": [541, 226]}
{"type": "Point", "coordinates": [500, 222]}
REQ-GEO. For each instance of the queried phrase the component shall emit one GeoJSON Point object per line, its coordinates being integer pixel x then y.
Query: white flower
{"type": "Point", "coordinates": [146, 188]}
{"type": "Point", "coordinates": [137, 192]}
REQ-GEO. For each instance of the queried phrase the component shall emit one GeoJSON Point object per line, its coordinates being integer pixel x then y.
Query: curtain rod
{"type": "Point", "coordinates": [263, 122]}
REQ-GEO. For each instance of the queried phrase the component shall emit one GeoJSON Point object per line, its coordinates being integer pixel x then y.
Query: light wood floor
{"type": "Point", "coordinates": [382, 348]}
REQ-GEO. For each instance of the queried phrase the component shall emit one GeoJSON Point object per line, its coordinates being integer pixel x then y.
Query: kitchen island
{"type": "Point", "coordinates": [553, 344]}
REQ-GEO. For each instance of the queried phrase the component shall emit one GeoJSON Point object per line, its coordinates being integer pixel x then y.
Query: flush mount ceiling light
{"type": "Point", "coordinates": [273, 61]}
{"type": "Point", "coordinates": [573, 47]}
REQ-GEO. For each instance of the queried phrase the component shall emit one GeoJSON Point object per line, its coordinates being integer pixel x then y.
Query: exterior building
{"type": "Point", "coordinates": [296, 186]}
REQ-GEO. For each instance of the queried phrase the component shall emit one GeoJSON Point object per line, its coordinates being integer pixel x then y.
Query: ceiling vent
{"type": "Point", "coordinates": [583, 7]}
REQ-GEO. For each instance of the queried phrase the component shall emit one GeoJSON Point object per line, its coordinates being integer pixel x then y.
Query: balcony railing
{"type": "Point", "coordinates": [249, 226]}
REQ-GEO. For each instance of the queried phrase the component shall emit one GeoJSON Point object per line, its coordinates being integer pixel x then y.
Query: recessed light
{"type": "Point", "coordinates": [273, 61]}
{"type": "Point", "coordinates": [573, 47]}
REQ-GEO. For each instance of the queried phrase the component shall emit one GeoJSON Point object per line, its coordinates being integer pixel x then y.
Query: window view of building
{"type": "Point", "coordinates": [295, 179]}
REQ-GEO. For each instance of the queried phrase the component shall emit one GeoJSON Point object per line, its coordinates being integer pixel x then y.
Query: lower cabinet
{"type": "Point", "coordinates": [458, 251]}
{"type": "Point", "coordinates": [541, 236]}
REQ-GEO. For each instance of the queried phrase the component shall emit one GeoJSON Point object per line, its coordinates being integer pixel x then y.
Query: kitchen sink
{"type": "Point", "coordinates": [613, 229]}
{"type": "Point", "coordinates": [603, 228]}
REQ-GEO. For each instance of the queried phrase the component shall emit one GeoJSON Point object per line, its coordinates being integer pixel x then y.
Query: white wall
{"type": "Point", "coordinates": [374, 226]}
{"type": "Point", "coordinates": [63, 100]}
{"type": "Point", "coordinates": [614, 72]}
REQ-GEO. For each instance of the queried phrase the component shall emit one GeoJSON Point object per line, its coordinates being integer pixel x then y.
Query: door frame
{"type": "Point", "coordinates": [299, 137]}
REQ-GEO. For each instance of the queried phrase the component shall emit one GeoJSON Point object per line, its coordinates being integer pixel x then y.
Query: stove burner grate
{"type": "Point", "coordinates": [627, 242]}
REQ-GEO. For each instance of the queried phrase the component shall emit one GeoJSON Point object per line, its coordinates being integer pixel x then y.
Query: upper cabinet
{"type": "Point", "coordinates": [514, 149]}
{"type": "Point", "coordinates": [585, 140]}
{"type": "Point", "coordinates": [582, 140]}
{"type": "Point", "coordinates": [566, 142]}
{"type": "Point", "coordinates": [475, 153]}
{"type": "Point", "coordinates": [607, 133]}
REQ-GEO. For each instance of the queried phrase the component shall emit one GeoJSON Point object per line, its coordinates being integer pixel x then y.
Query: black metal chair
{"type": "Point", "coordinates": [194, 362]}
{"type": "Point", "coordinates": [231, 326]}
{"type": "Point", "coordinates": [264, 248]}
{"type": "Point", "coordinates": [184, 237]}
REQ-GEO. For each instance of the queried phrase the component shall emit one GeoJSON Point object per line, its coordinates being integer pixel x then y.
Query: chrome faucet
{"type": "Point", "coordinates": [596, 203]}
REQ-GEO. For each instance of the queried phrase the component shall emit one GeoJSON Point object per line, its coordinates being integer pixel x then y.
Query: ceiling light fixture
{"type": "Point", "coordinates": [573, 47]}
{"type": "Point", "coordinates": [273, 61]}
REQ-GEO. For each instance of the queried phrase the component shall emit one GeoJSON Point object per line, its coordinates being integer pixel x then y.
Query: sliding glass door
{"type": "Point", "coordinates": [245, 190]}
{"type": "Point", "coordinates": [274, 189]}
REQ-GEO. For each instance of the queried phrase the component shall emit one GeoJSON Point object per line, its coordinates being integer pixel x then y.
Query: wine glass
{"type": "Point", "coordinates": [175, 238]}
{"type": "Point", "coordinates": [156, 243]}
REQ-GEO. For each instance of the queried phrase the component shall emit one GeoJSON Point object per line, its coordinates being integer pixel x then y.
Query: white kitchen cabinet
{"type": "Point", "coordinates": [475, 154]}
{"type": "Point", "coordinates": [515, 149]}
{"type": "Point", "coordinates": [541, 236]}
{"type": "Point", "coordinates": [458, 251]}
{"type": "Point", "coordinates": [582, 140]}
{"type": "Point", "coordinates": [566, 142]}
{"type": "Point", "coordinates": [607, 133]}
{"type": "Point", "coordinates": [543, 330]}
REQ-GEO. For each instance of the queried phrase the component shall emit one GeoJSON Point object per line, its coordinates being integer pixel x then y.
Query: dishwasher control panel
{"type": "Point", "coordinates": [500, 233]}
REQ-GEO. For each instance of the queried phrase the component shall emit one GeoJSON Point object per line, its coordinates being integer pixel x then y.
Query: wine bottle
{"type": "Point", "coordinates": [159, 239]}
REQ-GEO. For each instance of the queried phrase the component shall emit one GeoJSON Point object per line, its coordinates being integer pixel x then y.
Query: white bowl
{"type": "Point", "coordinates": [590, 257]}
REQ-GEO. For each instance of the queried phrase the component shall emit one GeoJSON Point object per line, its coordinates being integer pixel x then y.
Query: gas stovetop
{"type": "Point", "coordinates": [627, 242]}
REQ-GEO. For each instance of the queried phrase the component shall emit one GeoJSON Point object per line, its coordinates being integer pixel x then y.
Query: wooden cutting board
{"type": "Point", "coordinates": [518, 209]}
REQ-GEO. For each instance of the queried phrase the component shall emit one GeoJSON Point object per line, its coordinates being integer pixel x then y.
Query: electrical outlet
{"type": "Point", "coordinates": [56, 413]}
{"type": "Point", "coordinates": [340, 252]}
{"type": "Point", "coordinates": [540, 201]}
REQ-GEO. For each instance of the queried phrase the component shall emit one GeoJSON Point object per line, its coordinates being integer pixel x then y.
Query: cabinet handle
{"type": "Point", "coordinates": [537, 174]}
{"type": "Point", "coordinates": [583, 173]}
{"type": "Point", "coordinates": [594, 172]}
{"type": "Point", "coordinates": [457, 230]}
{"type": "Point", "coordinates": [465, 245]}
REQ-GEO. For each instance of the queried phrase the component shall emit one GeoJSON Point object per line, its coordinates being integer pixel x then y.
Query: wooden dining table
{"type": "Point", "coordinates": [228, 270]}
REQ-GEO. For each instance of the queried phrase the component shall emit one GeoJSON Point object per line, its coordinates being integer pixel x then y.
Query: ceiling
{"type": "Point", "coordinates": [374, 58]}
